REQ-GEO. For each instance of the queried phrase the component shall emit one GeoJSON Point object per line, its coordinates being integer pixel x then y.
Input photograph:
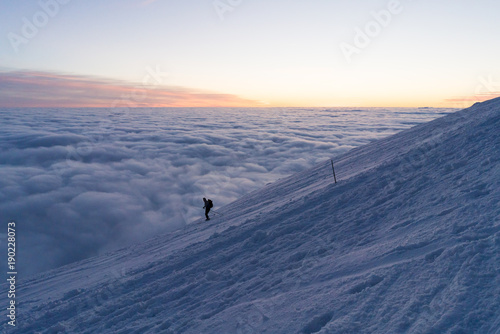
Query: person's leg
{"type": "Point", "coordinates": [207, 210]}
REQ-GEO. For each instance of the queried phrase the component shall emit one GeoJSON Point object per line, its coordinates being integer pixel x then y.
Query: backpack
{"type": "Point", "coordinates": [210, 204]}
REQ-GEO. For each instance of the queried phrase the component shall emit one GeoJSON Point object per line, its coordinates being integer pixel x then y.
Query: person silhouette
{"type": "Point", "coordinates": [208, 205]}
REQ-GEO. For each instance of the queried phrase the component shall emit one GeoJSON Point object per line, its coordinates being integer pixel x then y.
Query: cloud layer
{"type": "Point", "coordinates": [42, 89]}
{"type": "Point", "coordinates": [80, 182]}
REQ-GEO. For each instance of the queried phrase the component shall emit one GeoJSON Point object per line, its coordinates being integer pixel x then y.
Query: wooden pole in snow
{"type": "Point", "coordinates": [334, 172]}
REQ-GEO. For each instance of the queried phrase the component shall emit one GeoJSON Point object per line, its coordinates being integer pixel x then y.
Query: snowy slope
{"type": "Point", "coordinates": [406, 242]}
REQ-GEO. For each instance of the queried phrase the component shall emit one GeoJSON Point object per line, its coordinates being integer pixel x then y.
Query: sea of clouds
{"type": "Point", "coordinates": [79, 182]}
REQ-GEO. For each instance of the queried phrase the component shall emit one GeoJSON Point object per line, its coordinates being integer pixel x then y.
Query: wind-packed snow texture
{"type": "Point", "coordinates": [407, 241]}
{"type": "Point", "coordinates": [81, 182]}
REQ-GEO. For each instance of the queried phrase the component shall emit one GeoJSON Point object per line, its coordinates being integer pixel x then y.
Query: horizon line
{"type": "Point", "coordinates": [44, 89]}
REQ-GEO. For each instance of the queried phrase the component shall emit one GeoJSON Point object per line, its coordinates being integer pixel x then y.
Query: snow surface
{"type": "Point", "coordinates": [406, 242]}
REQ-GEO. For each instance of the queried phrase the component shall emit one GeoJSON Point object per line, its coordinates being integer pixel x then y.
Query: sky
{"type": "Point", "coordinates": [218, 53]}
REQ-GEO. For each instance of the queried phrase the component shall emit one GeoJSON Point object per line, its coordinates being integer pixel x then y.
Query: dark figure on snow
{"type": "Point", "coordinates": [207, 207]}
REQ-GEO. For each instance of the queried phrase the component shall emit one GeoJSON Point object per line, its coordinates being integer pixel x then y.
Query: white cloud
{"type": "Point", "coordinates": [81, 182]}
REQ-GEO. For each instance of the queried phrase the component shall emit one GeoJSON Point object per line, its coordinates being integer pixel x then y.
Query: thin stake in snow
{"type": "Point", "coordinates": [334, 172]}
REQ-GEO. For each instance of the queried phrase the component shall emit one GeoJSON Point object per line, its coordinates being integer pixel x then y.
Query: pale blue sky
{"type": "Point", "coordinates": [280, 52]}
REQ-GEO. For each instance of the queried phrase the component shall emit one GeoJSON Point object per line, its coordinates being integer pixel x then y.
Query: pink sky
{"type": "Point", "coordinates": [41, 89]}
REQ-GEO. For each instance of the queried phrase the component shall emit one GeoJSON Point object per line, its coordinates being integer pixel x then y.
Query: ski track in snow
{"type": "Point", "coordinates": [406, 242]}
